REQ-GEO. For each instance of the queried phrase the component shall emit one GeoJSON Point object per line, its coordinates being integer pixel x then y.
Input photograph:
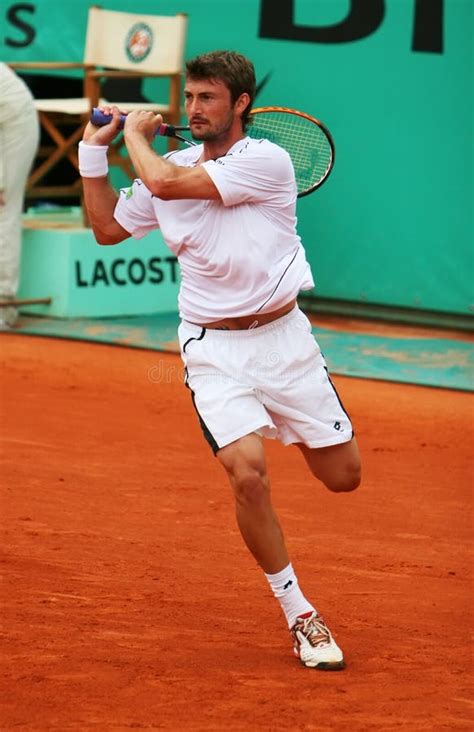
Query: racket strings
{"type": "Point", "coordinates": [306, 143]}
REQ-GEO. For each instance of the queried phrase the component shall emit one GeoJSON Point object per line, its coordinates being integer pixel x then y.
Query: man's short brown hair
{"type": "Point", "coordinates": [234, 70]}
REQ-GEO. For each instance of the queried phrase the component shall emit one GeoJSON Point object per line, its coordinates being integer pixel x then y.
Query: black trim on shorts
{"type": "Point", "coordinates": [205, 429]}
{"type": "Point", "coordinates": [339, 399]}
{"type": "Point", "coordinates": [203, 333]}
{"type": "Point", "coordinates": [208, 436]}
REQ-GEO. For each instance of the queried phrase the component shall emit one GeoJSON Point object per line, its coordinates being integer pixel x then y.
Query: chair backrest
{"type": "Point", "coordinates": [149, 44]}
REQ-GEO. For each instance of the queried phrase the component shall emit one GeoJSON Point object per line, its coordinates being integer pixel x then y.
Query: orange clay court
{"type": "Point", "coordinates": [130, 602]}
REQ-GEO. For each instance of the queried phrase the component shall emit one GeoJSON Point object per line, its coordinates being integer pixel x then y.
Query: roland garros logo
{"type": "Point", "coordinates": [139, 42]}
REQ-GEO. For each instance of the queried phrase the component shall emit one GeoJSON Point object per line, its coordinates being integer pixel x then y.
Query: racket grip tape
{"type": "Point", "coordinates": [99, 119]}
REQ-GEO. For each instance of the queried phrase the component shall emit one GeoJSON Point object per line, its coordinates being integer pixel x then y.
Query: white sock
{"type": "Point", "coordinates": [286, 589]}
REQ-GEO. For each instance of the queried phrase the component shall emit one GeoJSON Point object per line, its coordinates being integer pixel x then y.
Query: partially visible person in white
{"type": "Point", "coordinates": [19, 137]}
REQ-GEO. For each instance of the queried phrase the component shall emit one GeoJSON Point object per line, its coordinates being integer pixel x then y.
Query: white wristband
{"type": "Point", "coordinates": [93, 161]}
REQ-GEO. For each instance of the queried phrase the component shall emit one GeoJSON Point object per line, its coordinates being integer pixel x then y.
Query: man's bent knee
{"type": "Point", "coordinates": [345, 481]}
{"type": "Point", "coordinates": [336, 466]}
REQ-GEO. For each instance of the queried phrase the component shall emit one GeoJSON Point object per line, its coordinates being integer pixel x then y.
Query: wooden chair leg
{"type": "Point", "coordinates": [63, 149]}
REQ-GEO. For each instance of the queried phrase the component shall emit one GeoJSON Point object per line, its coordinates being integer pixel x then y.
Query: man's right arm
{"type": "Point", "coordinates": [100, 198]}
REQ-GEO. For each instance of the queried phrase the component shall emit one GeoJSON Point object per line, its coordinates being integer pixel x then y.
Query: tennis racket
{"type": "Point", "coordinates": [307, 141]}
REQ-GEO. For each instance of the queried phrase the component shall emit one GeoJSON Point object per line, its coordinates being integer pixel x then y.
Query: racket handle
{"type": "Point", "coordinates": [99, 119]}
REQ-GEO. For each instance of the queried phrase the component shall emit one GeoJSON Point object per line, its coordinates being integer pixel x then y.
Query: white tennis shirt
{"type": "Point", "coordinates": [238, 256]}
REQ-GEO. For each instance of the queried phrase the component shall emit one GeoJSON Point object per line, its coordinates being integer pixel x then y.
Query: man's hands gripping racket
{"type": "Point", "coordinates": [307, 141]}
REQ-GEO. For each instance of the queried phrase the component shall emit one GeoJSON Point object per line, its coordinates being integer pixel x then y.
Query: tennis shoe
{"type": "Point", "coordinates": [314, 644]}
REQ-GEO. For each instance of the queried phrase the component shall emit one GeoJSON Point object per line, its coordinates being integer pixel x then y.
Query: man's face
{"type": "Point", "coordinates": [209, 108]}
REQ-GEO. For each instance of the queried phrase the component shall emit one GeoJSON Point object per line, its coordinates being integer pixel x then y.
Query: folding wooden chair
{"type": "Point", "coordinates": [119, 46]}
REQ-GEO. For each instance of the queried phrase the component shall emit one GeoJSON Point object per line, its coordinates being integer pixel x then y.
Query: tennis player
{"type": "Point", "coordinates": [226, 208]}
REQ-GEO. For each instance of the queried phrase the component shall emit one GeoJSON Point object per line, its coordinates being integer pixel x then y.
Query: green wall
{"type": "Point", "coordinates": [393, 224]}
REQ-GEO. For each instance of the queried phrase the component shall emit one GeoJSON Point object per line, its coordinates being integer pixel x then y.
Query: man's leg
{"type": "Point", "coordinates": [337, 466]}
{"type": "Point", "coordinates": [244, 461]}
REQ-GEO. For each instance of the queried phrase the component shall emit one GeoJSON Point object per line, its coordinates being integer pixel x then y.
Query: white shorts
{"type": "Point", "coordinates": [272, 380]}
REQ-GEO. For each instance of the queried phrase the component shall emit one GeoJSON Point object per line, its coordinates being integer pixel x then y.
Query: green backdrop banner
{"type": "Point", "coordinates": [392, 80]}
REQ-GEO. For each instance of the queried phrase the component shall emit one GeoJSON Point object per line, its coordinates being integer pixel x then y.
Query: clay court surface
{"type": "Point", "coordinates": [131, 603]}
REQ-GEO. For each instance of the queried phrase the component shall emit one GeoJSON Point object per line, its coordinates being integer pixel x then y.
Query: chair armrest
{"type": "Point", "coordinates": [46, 65]}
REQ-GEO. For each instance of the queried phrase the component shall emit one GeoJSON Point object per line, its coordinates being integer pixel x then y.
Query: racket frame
{"type": "Point", "coordinates": [314, 120]}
